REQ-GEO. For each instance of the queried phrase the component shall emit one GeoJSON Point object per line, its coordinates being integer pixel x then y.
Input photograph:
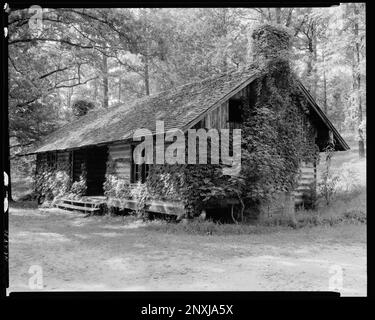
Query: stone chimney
{"type": "Point", "coordinates": [271, 44]}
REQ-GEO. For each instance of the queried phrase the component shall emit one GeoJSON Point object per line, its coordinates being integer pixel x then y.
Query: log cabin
{"type": "Point", "coordinates": [102, 139]}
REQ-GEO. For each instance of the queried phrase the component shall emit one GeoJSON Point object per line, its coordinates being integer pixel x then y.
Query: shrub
{"type": "Point", "coordinates": [51, 184]}
{"type": "Point", "coordinates": [81, 107]}
{"type": "Point", "coordinates": [140, 194]}
{"type": "Point", "coordinates": [79, 188]}
{"type": "Point", "coordinates": [115, 187]}
{"type": "Point", "coordinates": [327, 188]}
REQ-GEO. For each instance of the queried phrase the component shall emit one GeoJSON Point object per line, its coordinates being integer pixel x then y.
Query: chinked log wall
{"type": "Point", "coordinates": [120, 155]}
{"type": "Point", "coordinates": [306, 182]}
{"type": "Point", "coordinates": [63, 158]}
{"type": "Point", "coordinates": [284, 203]}
{"type": "Point", "coordinates": [78, 158]}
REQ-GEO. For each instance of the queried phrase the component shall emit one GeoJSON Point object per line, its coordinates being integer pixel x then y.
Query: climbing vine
{"type": "Point", "coordinates": [55, 182]}
{"type": "Point", "coordinates": [276, 132]}
{"type": "Point", "coordinates": [195, 186]}
{"type": "Point", "coordinates": [79, 188]}
{"type": "Point", "coordinates": [51, 183]}
{"type": "Point", "coordinates": [276, 136]}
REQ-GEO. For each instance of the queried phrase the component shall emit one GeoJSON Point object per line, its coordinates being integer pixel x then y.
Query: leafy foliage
{"type": "Point", "coordinates": [51, 183]}
{"type": "Point", "coordinates": [276, 137]}
{"type": "Point", "coordinates": [276, 134]}
{"type": "Point", "coordinates": [140, 193]}
{"type": "Point", "coordinates": [81, 107]}
{"type": "Point", "coordinates": [78, 188]}
{"type": "Point", "coordinates": [328, 186]}
{"type": "Point", "coordinates": [115, 187]}
{"type": "Point", "coordinates": [121, 54]}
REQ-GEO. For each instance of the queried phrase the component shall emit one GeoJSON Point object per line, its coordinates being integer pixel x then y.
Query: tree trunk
{"type": "Point", "coordinates": [119, 89]}
{"type": "Point", "coordinates": [147, 77]}
{"type": "Point", "coordinates": [105, 82]}
{"type": "Point", "coordinates": [314, 70]}
{"type": "Point", "coordinates": [95, 89]}
{"type": "Point", "coordinates": [361, 143]}
{"type": "Point", "coordinates": [289, 19]}
{"type": "Point", "coordinates": [278, 15]}
{"type": "Point", "coordinates": [311, 65]}
{"type": "Point", "coordinates": [325, 106]}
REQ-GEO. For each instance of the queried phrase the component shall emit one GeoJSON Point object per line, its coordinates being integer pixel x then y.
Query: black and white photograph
{"type": "Point", "coordinates": [186, 149]}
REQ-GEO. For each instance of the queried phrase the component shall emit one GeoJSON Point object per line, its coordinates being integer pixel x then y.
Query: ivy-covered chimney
{"type": "Point", "coordinates": [271, 45]}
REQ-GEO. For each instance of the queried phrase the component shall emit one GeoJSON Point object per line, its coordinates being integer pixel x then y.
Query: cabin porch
{"type": "Point", "coordinates": [97, 204]}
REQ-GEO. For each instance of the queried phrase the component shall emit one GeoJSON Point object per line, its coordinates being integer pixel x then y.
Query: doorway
{"type": "Point", "coordinates": [94, 159]}
{"type": "Point", "coordinates": [96, 164]}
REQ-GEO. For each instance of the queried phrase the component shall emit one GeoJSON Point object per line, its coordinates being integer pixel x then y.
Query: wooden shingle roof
{"type": "Point", "coordinates": [178, 108]}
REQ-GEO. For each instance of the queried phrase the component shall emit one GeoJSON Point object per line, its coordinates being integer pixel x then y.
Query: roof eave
{"type": "Point", "coordinates": [343, 146]}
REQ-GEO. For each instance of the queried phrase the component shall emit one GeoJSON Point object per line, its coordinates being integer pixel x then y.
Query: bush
{"type": "Point", "coordinates": [81, 107]}
{"type": "Point", "coordinates": [78, 188]}
{"type": "Point", "coordinates": [140, 194]}
{"type": "Point", "coordinates": [51, 184]}
{"type": "Point", "coordinates": [118, 189]}
{"type": "Point", "coordinates": [328, 186]}
{"type": "Point", "coordinates": [115, 187]}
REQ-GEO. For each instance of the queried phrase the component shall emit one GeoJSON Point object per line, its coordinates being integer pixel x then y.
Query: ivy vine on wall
{"type": "Point", "coordinates": [56, 182]}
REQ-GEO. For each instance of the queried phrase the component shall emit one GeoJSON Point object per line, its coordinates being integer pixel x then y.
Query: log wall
{"type": "Point", "coordinates": [41, 160]}
{"type": "Point", "coordinates": [121, 155]}
{"type": "Point", "coordinates": [306, 182]}
{"type": "Point", "coordinates": [78, 158]}
{"type": "Point", "coordinates": [63, 159]}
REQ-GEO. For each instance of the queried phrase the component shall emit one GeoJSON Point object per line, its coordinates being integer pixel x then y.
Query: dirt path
{"type": "Point", "coordinates": [102, 253]}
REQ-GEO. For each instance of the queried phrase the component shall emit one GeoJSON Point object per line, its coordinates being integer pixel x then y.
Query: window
{"type": "Point", "coordinates": [235, 111]}
{"type": "Point", "coordinates": [139, 171]}
{"type": "Point", "coordinates": [52, 160]}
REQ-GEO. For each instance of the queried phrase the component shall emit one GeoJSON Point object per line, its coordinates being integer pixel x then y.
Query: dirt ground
{"type": "Point", "coordinates": [109, 253]}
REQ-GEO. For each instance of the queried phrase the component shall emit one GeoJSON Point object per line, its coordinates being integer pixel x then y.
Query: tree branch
{"type": "Point", "coordinates": [76, 84]}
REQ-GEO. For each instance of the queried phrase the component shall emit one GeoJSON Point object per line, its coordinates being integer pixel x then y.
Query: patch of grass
{"type": "Point", "coordinates": [347, 207]}
{"type": "Point", "coordinates": [23, 205]}
{"type": "Point", "coordinates": [21, 188]}
{"type": "Point", "coordinates": [209, 227]}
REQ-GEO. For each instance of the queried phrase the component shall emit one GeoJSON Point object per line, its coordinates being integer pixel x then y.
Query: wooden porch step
{"type": "Point", "coordinates": [158, 206]}
{"type": "Point", "coordinates": [82, 205]}
{"type": "Point", "coordinates": [165, 207]}
{"type": "Point", "coordinates": [76, 208]}
{"type": "Point", "coordinates": [81, 202]}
